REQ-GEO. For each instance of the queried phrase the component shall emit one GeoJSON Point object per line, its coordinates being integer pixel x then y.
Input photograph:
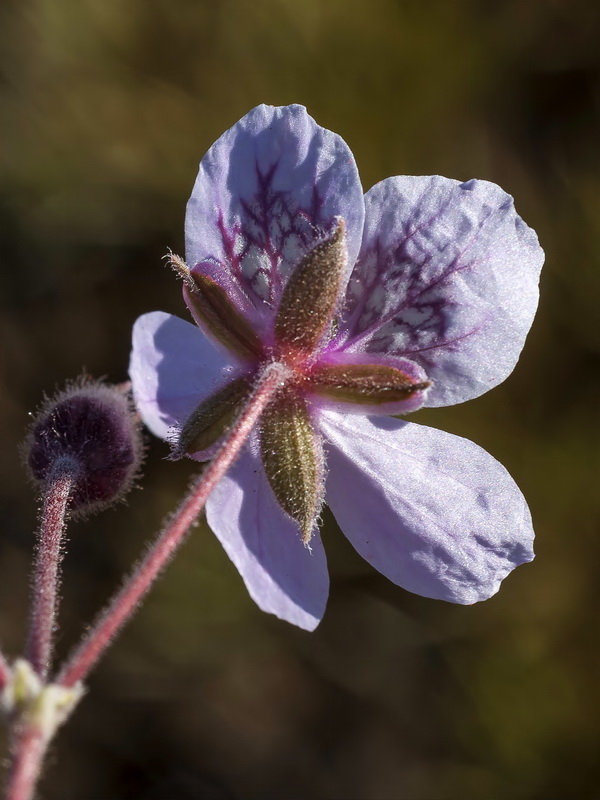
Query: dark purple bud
{"type": "Point", "coordinates": [90, 430]}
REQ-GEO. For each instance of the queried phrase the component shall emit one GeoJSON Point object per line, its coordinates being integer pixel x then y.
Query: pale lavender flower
{"type": "Point", "coordinates": [420, 293]}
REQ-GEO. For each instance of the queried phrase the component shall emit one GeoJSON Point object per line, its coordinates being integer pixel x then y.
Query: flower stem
{"type": "Point", "coordinates": [124, 603]}
{"type": "Point", "coordinates": [47, 565]}
{"type": "Point", "coordinates": [4, 672]}
{"type": "Point", "coordinates": [29, 748]}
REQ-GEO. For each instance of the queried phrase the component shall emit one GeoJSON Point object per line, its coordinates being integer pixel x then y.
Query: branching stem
{"type": "Point", "coordinates": [29, 739]}
{"type": "Point", "coordinates": [124, 603]}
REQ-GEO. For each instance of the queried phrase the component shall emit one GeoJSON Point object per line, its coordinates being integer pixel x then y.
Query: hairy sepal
{"type": "Point", "coordinates": [311, 296]}
{"type": "Point", "coordinates": [372, 387]}
{"type": "Point", "coordinates": [292, 455]}
{"type": "Point", "coordinates": [212, 418]}
{"type": "Point", "coordinates": [213, 310]}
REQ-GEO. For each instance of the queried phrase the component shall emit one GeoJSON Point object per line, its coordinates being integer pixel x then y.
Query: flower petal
{"type": "Point", "coordinates": [267, 191]}
{"type": "Point", "coordinates": [173, 368]}
{"type": "Point", "coordinates": [434, 513]}
{"type": "Point", "coordinates": [282, 576]}
{"type": "Point", "coordinates": [447, 276]}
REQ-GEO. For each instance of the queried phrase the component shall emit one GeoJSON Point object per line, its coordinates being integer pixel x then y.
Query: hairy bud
{"type": "Point", "coordinates": [90, 430]}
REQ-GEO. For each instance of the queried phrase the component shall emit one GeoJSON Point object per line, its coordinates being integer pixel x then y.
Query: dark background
{"type": "Point", "coordinates": [106, 107]}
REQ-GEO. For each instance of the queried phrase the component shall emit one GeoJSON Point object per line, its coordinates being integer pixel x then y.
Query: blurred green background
{"type": "Point", "coordinates": [106, 107]}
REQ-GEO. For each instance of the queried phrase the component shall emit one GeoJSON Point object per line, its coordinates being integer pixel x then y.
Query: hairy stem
{"type": "Point", "coordinates": [29, 747]}
{"type": "Point", "coordinates": [4, 672]}
{"type": "Point", "coordinates": [56, 498]}
{"type": "Point", "coordinates": [124, 603]}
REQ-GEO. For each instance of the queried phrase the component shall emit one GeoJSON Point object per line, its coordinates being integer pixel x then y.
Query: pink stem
{"type": "Point", "coordinates": [122, 606]}
{"type": "Point", "coordinates": [46, 573]}
{"type": "Point", "coordinates": [4, 672]}
{"type": "Point", "coordinates": [29, 749]}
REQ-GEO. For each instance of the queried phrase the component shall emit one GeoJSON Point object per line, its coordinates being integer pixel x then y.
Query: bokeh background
{"type": "Point", "coordinates": [106, 107]}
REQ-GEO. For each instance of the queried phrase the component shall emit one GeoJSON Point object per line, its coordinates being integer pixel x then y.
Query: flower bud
{"type": "Point", "coordinates": [91, 431]}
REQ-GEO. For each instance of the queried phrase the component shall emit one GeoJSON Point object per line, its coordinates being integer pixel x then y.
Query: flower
{"type": "Point", "coordinates": [419, 293]}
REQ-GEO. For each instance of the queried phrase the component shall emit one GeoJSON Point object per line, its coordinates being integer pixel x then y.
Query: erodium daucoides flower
{"type": "Point", "coordinates": [419, 293]}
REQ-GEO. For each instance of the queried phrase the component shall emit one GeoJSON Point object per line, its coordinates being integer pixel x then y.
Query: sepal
{"type": "Point", "coordinates": [213, 310]}
{"type": "Point", "coordinates": [212, 418]}
{"type": "Point", "coordinates": [365, 384]}
{"type": "Point", "coordinates": [312, 295]}
{"type": "Point", "coordinates": [292, 455]}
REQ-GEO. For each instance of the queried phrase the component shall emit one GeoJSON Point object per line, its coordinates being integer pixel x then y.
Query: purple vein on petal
{"type": "Point", "coordinates": [269, 220]}
{"type": "Point", "coordinates": [411, 298]}
{"type": "Point", "coordinates": [390, 256]}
